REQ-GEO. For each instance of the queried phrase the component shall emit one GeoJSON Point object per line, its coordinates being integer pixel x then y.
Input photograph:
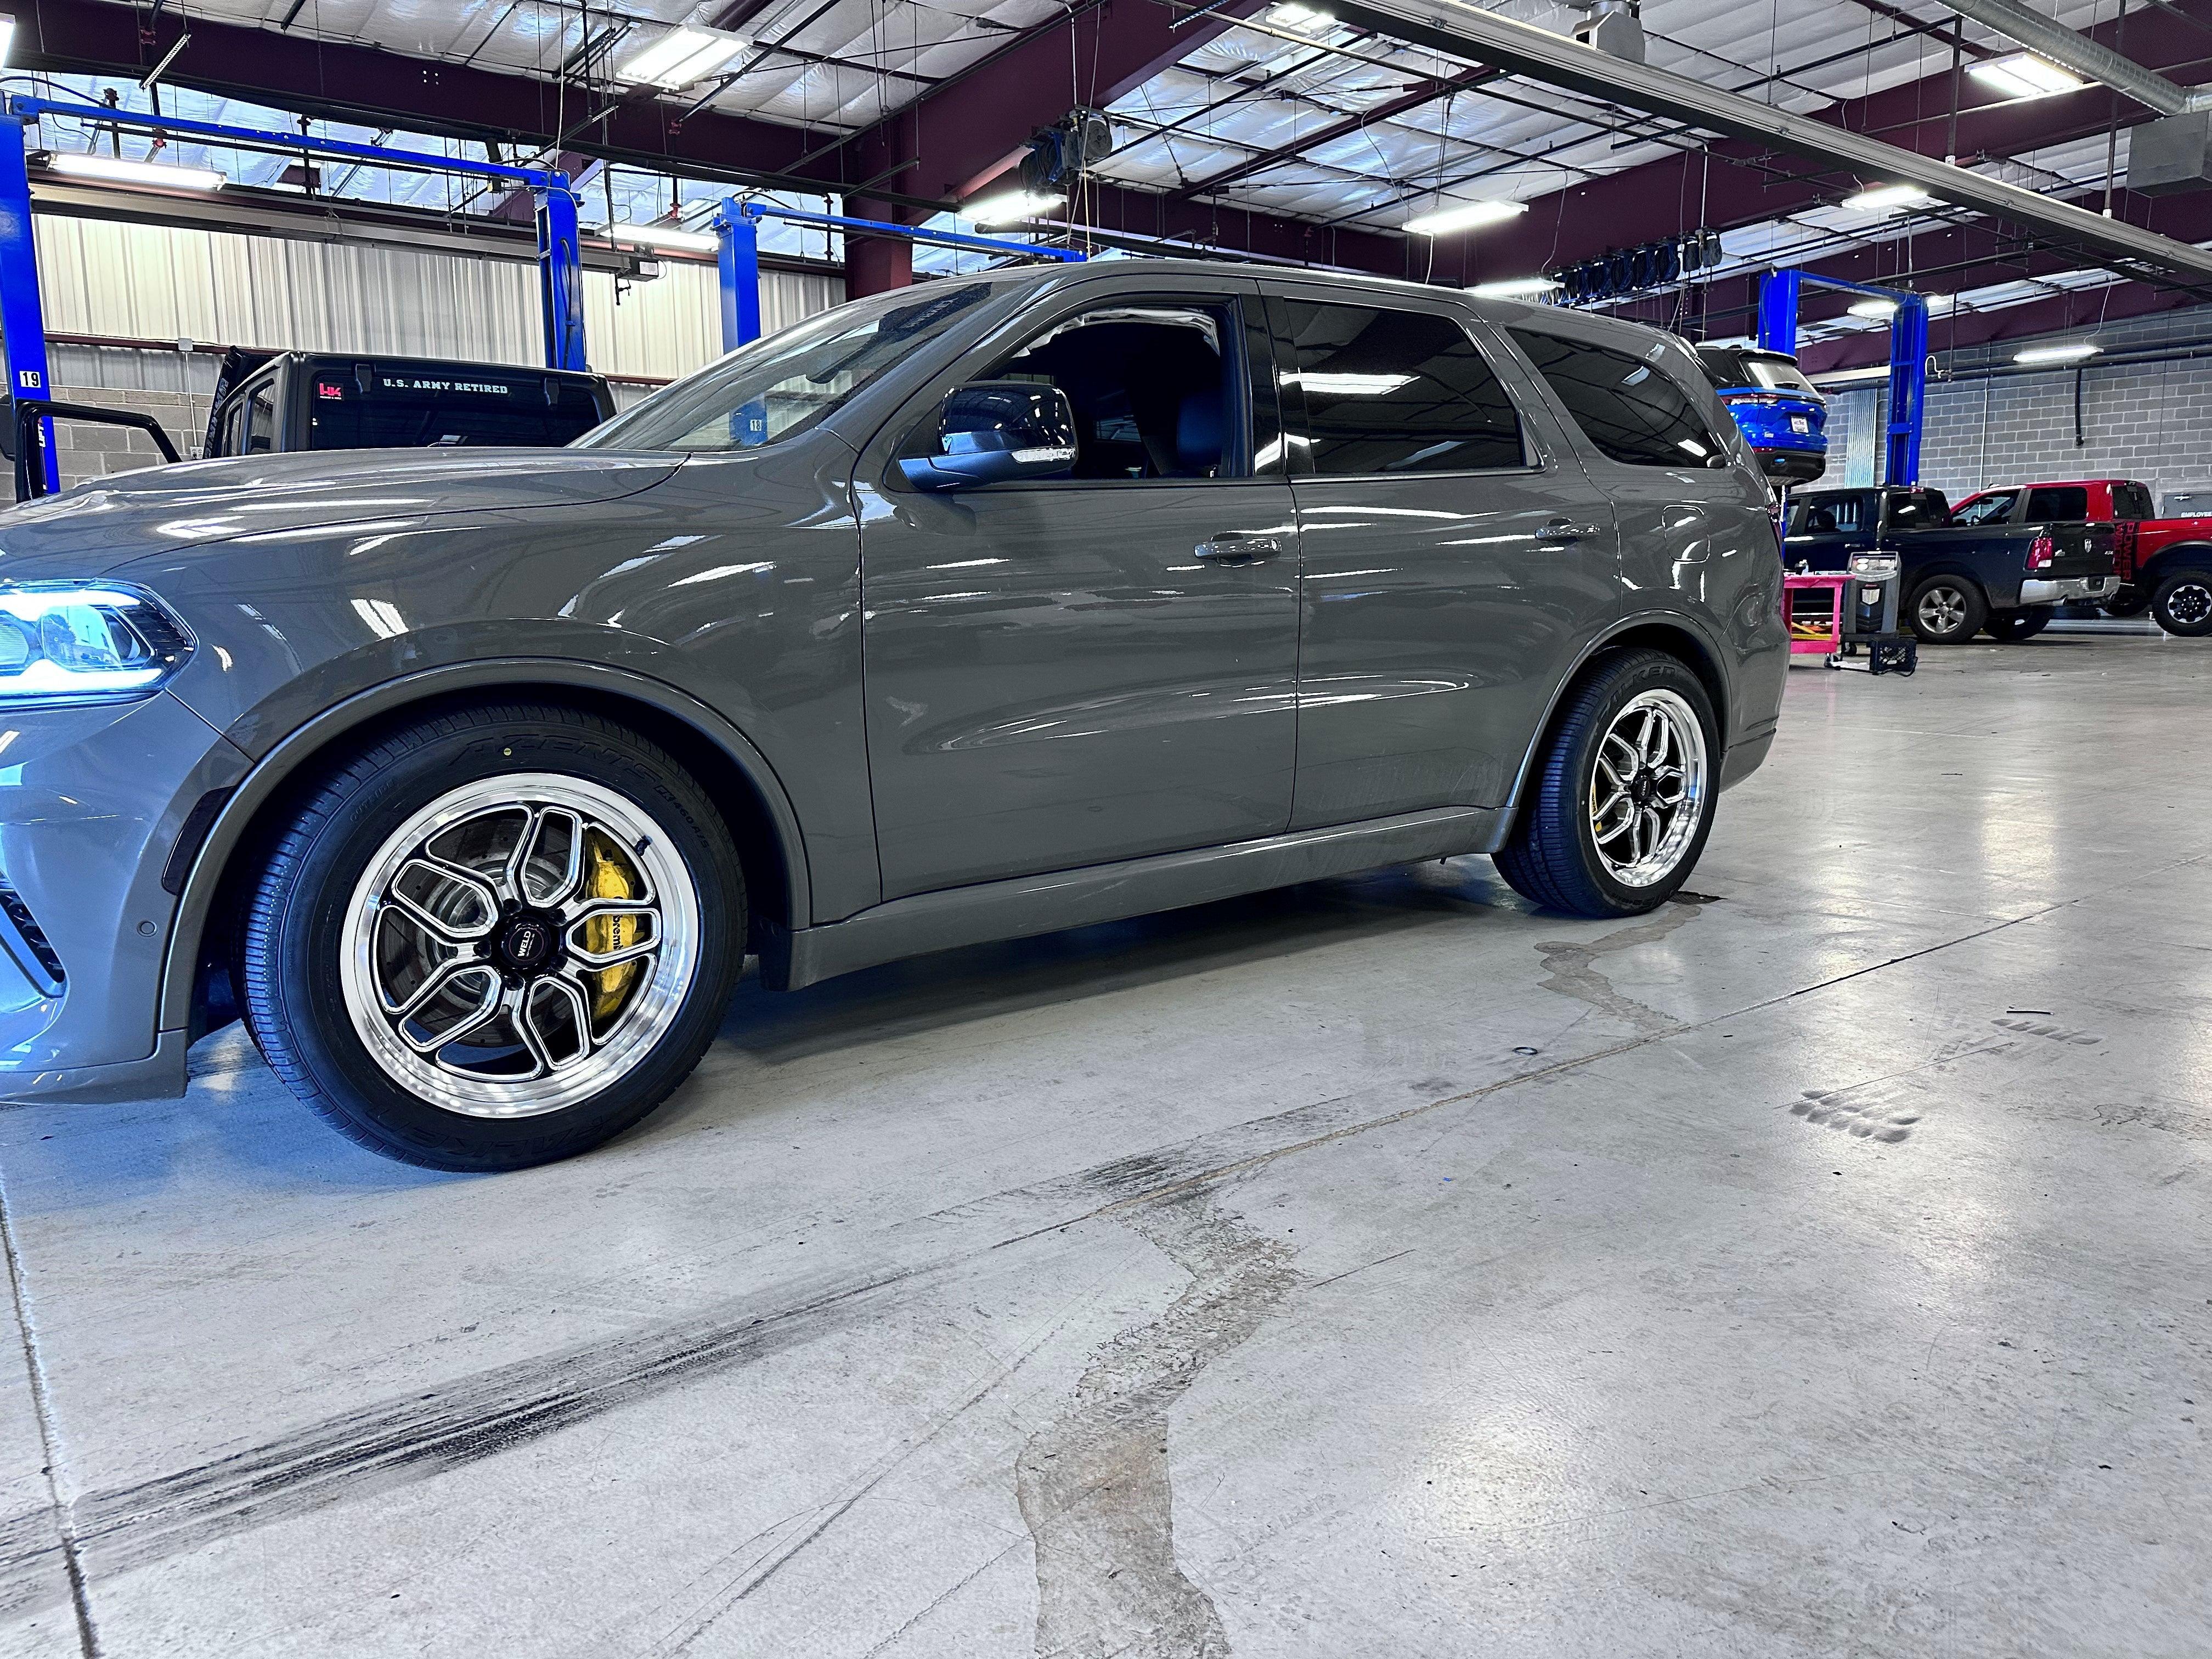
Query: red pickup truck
{"type": "Point", "coordinates": [2164, 565]}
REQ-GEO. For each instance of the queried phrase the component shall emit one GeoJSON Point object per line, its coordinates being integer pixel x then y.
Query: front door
{"type": "Point", "coordinates": [1455, 554]}
{"type": "Point", "coordinates": [1073, 670]}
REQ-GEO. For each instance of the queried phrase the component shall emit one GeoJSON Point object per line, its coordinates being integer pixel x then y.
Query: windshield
{"type": "Point", "coordinates": [784, 383]}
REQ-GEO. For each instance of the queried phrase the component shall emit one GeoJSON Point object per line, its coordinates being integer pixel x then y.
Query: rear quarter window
{"type": "Point", "coordinates": [1629, 408]}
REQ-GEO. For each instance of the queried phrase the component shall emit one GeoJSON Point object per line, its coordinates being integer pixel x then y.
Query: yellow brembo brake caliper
{"type": "Point", "coordinates": [607, 875]}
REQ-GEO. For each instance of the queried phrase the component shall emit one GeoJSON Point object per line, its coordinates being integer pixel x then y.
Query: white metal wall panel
{"type": "Point", "coordinates": [161, 282]}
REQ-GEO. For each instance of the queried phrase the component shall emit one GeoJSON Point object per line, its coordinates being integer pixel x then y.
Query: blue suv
{"type": "Point", "coordinates": [1780, 415]}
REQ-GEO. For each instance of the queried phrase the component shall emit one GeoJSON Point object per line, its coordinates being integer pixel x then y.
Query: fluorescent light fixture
{"type": "Point", "coordinates": [1888, 198]}
{"type": "Point", "coordinates": [1349, 386]}
{"type": "Point", "coordinates": [2072, 352]}
{"type": "Point", "coordinates": [1463, 215]}
{"type": "Point", "coordinates": [1836, 376]}
{"type": "Point", "coordinates": [1012, 206]}
{"type": "Point", "coordinates": [1295, 15]}
{"type": "Point", "coordinates": [685, 56]}
{"type": "Point", "coordinates": [1872, 308]}
{"type": "Point", "coordinates": [1515, 288]}
{"type": "Point", "coordinates": [7, 37]}
{"type": "Point", "coordinates": [2023, 75]}
{"type": "Point", "coordinates": [115, 169]}
{"type": "Point", "coordinates": [666, 237]}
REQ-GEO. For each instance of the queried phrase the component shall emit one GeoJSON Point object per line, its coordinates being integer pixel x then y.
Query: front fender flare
{"type": "Point", "coordinates": [298, 746]}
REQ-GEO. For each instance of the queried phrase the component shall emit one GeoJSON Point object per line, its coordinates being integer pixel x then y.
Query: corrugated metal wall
{"type": "Point", "coordinates": [159, 282]}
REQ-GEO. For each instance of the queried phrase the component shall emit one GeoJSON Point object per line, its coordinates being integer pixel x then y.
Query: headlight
{"type": "Point", "coordinates": [1874, 566]}
{"type": "Point", "coordinates": [66, 642]}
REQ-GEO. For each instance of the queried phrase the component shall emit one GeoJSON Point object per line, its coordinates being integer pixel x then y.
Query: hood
{"type": "Point", "coordinates": [92, 529]}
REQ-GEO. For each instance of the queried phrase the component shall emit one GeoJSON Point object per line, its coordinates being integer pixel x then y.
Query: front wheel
{"type": "Point", "coordinates": [2183, 603]}
{"type": "Point", "coordinates": [2012, 627]}
{"type": "Point", "coordinates": [1623, 796]}
{"type": "Point", "coordinates": [1948, 611]}
{"type": "Point", "coordinates": [499, 937]}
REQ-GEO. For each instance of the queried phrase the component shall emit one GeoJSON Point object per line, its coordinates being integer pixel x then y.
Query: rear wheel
{"type": "Point", "coordinates": [2012, 627]}
{"type": "Point", "coordinates": [1623, 799]}
{"type": "Point", "coordinates": [1947, 611]}
{"type": "Point", "coordinates": [499, 937]}
{"type": "Point", "coordinates": [2183, 603]}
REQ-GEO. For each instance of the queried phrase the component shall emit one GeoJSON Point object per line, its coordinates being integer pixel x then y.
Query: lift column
{"type": "Point", "coordinates": [560, 274]}
{"type": "Point", "coordinates": [22, 318]}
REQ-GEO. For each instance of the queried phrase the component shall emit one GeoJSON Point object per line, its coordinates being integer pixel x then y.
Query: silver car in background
{"type": "Point", "coordinates": [1009, 603]}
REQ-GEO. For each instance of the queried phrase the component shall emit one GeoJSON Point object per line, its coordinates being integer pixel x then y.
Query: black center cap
{"type": "Point", "coordinates": [527, 944]}
{"type": "Point", "coordinates": [1641, 787]}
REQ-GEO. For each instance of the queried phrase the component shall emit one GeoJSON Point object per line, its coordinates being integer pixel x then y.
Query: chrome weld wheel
{"type": "Point", "coordinates": [518, 944]}
{"type": "Point", "coordinates": [1647, 788]}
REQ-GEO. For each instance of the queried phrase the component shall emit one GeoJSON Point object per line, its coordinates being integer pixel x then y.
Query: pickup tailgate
{"type": "Point", "coordinates": [2078, 549]}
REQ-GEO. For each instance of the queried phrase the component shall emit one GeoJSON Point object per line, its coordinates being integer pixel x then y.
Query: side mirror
{"type": "Point", "coordinates": [990, 431]}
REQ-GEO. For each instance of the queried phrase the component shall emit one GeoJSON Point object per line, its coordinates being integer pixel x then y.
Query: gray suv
{"type": "Point", "coordinates": [1014, 601]}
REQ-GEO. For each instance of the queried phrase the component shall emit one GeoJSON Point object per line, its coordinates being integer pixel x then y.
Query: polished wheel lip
{"type": "Point", "coordinates": [1647, 788]}
{"type": "Point", "coordinates": [556, 1084]}
{"type": "Point", "coordinates": [1941, 608]}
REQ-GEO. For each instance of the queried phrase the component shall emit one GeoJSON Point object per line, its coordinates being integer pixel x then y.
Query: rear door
{"type": "Point", "coordinates": [1689, 516]}
{"type": "Point", "coordinates": [1455, 554]}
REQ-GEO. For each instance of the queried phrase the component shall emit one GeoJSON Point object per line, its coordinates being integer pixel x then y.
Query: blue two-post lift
{"type": "Point", "coordinates": [737, 225]}
{"type": "Point", "coordinates": [22, 319]}
{"type": "Point", "coordinates": [1908, 357]}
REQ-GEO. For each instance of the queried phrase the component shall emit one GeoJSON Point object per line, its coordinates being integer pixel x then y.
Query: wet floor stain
{"type": "Point", "coordinates": [1094, 1484]}
{"type": "Point", "coordinates": [1571, 965]}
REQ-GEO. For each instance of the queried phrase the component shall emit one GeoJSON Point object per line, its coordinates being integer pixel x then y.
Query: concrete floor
{"type": "Point", "coordinates": [1819, 1267]}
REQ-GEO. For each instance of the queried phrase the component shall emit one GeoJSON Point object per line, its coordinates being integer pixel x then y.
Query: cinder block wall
{"type": "Point", "coordinates": [84, 451]}
{"type": "Point", "coordinates": [2149, 421]}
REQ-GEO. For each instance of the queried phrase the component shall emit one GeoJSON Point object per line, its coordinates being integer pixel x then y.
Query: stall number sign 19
{"type": "Point", "coordinates": [29, 379]}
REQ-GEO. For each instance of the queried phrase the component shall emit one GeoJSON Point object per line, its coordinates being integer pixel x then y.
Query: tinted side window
{"type": "Point", "coordinates": [2132, 501]}
{"type": "Point", "coordinates": [1629, 409]}
{"type": "Point", "coordinates": [261, 421]}
{"type": "Point", "coordinates": [1390, 391]}
{"type": "Point", "coordinates": [2067, 503]}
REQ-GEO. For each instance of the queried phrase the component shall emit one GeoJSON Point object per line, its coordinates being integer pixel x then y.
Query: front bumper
{"type": "Point", "coordinates": [92, 800]}
{"type": "Point", "coordinates": [2065, 590]}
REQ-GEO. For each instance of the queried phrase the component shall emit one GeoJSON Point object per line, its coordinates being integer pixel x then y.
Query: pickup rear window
{"type": "Point", "coordinates": [2058, 504]}
{"type": "Point", "coordinates": [2132, 501]}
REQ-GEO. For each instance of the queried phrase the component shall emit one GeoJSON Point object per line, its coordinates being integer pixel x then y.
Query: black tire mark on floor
{"type": "Point", "coordinates": [1094, 1483]}
{"type": "Point", "coordinates": [396, 1443]}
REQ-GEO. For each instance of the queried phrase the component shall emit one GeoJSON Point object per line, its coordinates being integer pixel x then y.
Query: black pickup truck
{"type": "Point", "coordinates": [1960, 579]}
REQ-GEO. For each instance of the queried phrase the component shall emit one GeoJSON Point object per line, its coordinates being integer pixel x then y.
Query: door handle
{"type": "Point", "coordinates": [1561, 530]}
{"type": "Point", "coordinates": [1238, 547]}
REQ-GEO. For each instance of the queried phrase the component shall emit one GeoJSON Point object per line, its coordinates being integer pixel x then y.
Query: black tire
{"type": "Point", "coordinates": [2014, 627]}
{"type": "Point", "coordinates": [300, 922]}
{"type": "Point", "coordinates": [2129, 601]}
{"type": "Point", "coordinates": [1553, 859]}
{"type": "Point", "coordinates": [1955, 610]}
{"type": "Point", "coordinates": [2183, 603]}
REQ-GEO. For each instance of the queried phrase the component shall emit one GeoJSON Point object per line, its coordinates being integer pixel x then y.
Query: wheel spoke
{"type": "Point", "coordinates": [579, 1012]}
{"type": "Point", "coordinates": [475, 1019]}
{"type": "Point", "coordinates": [443, 975]}
{"type": "Point", "coordinates": [543, 826]}
{"type": "Point", "coordinates": [445, 931]}
{"type": "Point", "coordinates": [613, 910]}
